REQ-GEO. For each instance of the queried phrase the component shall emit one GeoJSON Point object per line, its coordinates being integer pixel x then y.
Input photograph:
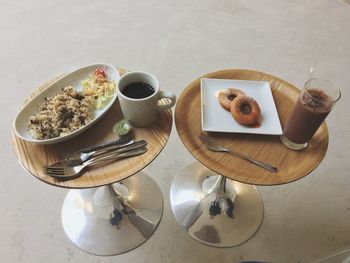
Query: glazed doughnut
{"type": "Point", "coordinates": [245, 110]}
{"type": "Point", "coordinates": [227, 96]}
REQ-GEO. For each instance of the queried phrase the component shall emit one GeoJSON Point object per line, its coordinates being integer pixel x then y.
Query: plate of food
{"type": "Point", "coordinates": [238, 106]}
{"type": "Point", "coordinates": [69, 106]}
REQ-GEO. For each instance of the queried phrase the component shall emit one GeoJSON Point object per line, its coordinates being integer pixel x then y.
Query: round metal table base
{"type": "Point", "coordinates": [214, 210]}
{"type": "Point", "coordinates": [113, 219]}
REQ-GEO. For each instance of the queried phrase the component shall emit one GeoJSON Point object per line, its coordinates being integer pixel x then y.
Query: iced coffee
{"type": "Point", "coordinates": [312, 107]}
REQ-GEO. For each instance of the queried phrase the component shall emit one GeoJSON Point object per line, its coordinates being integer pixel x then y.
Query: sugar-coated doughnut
{"type": "Point", "coordinates": [227, 96]}
{"type": "Point", "coordinates": [245, 110]}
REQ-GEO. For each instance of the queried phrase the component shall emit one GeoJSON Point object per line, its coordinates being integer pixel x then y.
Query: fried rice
{"type": "Point", "coordinates": [61, 114]}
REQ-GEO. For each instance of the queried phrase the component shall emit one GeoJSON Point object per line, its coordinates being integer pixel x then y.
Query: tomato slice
{"type": "Point", "coordinates": [100, 72]}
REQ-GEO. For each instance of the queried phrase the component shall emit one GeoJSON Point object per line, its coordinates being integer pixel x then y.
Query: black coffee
{"type": "Point", "coordinates": [138, 90]}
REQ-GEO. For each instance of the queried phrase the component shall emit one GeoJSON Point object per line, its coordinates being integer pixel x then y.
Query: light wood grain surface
{"type": "Point", "coordinates": [292, 165]}
{"type": "Point", "coordinates": [34, 157]}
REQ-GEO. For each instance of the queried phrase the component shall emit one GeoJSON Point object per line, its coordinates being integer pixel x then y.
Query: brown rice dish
{"type": "Point", "coordinates": [70, 109]}
{"type": "Point", "coordinates": [61, 114]}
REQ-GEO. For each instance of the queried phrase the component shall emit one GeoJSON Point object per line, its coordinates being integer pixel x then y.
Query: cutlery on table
{"type": "Point", "coordinates": [86, 153]}
{"type": "Point", "coordinates": [214, 146]}
{"type": "Point", "coordinates": [67, 170]}
{"type": "Point", "coordinates": [136, 145]}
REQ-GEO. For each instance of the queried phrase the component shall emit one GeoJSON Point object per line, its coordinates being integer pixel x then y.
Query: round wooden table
{"type": "Point", "coordinates": [217, 202]}
{"type": "Point", "coordinates": [99, 215]}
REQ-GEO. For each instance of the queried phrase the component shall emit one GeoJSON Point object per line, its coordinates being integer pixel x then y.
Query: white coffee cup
{"type": "Point", "coordinates": [141, 112]}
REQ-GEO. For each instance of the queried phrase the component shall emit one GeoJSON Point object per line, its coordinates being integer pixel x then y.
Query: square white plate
{"type": "Point", "coordinates": [216, 119]}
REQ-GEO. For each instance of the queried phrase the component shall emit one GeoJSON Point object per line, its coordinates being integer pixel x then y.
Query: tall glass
{"type": "Point", "coordinates": [315, 102]}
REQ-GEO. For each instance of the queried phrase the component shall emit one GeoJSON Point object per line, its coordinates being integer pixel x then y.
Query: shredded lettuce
{"type": "Point", "coordinates": [100, 87]}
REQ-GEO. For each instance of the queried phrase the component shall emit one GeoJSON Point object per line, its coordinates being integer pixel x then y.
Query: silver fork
{"type": "Point", "coordinates": [64, 163]}
{"type": "Point", "coordinates": [214, 146]}
{"type": "Point", "coordinates": [70, 171]}
{"type": "Point", "coordinates": [87, 153]}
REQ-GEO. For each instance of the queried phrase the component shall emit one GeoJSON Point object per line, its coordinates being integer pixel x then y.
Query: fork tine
{"type": "Point", "coordinates": [53, 173]}
{"type": "Point", "coordinates": [204, 138]}
{"type": "Point", "coordinates": [53, 168]}
{"type": "Point", "coordinates": [200, 137]}
{"type": "Point", "coordinates": [50, 171]}
{"type": "Point", "coordinates": [60, 175]}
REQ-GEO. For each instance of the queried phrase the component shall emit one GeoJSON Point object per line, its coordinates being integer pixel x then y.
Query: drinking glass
{"type": "Point", "coordinates": [314, 103]}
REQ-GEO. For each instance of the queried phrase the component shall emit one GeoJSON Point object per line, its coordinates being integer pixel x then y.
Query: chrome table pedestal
{"type": "Point", "coordinates": [214, 210]}
{"type": "Point", "coordinates": [113, 219]}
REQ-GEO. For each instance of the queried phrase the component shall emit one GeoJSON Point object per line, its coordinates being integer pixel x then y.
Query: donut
{"type": "Point", "coordinates": [245, 110]}
{"type": "Point", "coordinates": [227, 96]}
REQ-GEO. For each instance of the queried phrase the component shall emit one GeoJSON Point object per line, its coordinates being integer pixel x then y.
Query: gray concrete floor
{"type": "Point", "coordinates": [177, 41]}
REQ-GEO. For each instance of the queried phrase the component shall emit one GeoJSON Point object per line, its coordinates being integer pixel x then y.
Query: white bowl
{"type": "Point", "coordinates": [74, 79]}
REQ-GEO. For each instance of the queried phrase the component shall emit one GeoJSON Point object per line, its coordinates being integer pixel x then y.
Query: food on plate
{"type": "Point", "coordinates": [61, 114]}
{"type": "Point", "coordinates": [100, 87]}
{"type": "Point", "coordinates": [69, 110]}
{"type": "Point", "coordinates": [227, 96]}
{"type": "Point", "coordinates": [245, 110]}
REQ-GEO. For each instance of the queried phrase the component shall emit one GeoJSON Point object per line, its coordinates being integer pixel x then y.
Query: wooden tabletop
{"type": "Point", "coordinates": [34, 157]}
{"type": "Point", "coordinates": [292, 165]}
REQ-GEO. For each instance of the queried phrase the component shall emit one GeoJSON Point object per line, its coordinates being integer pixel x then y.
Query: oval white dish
{"type": "Point", "coordinates": [73, 79]}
